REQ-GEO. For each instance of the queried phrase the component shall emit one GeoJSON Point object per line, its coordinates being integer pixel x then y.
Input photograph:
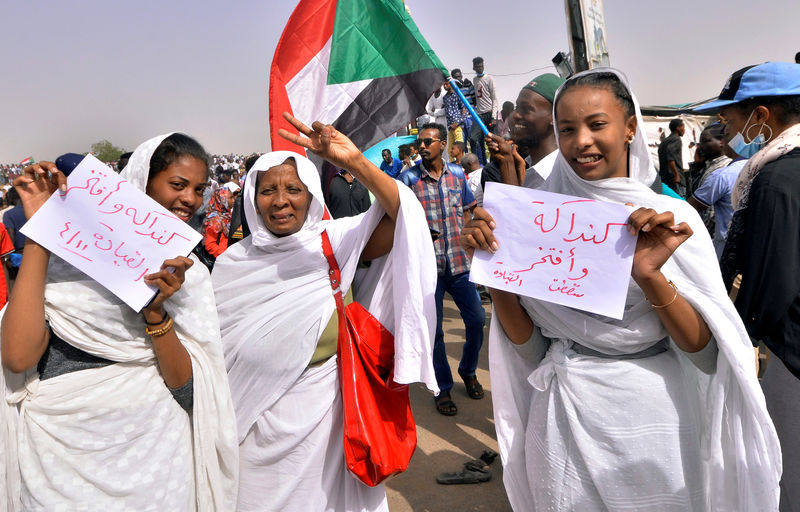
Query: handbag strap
{"type": "Point", "coordinates": [335, 277]}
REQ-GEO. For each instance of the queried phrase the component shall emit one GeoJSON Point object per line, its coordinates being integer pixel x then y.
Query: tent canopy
{"type": "Point", "coordinates": [674, 110]}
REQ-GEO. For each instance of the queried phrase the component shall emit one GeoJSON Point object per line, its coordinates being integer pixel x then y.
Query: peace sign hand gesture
{"type": "Point", "coordinates": [323, 140]}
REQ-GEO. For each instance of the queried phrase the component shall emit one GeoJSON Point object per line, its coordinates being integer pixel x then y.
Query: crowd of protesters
{"type": "Point", "coordinates": [223, 393]}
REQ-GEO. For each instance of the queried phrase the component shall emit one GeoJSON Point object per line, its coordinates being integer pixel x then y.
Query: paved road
{"type": "Point", "coordinates": [444, 443]}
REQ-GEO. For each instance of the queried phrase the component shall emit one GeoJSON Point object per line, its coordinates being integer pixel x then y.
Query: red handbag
{"type": "Point", "coordinates": [379, 431]}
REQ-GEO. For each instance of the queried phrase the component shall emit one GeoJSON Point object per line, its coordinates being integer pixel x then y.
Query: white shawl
{"type": "Point", "coordinates": [89, 317]}
{"type": "Point", "coordinates": [740, 452]}
{"type": "Point", "coordinates": [275, 298]}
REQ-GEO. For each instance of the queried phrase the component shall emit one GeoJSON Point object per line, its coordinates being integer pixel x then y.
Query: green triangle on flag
{"type": "Point", "coordinates": [359, 65]}
{"type": "Point", "coordinates": [377, 39]}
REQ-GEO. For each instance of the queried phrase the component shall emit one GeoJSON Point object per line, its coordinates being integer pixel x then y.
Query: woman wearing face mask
{"type": "Point", "coordinates": [113, 409]}
{"type": "Point", "coordinates": [658, 411]}
{"type": "Point", "coordinates": [761, 108]}
{"type": "Point", "coordinates": [280, 325]}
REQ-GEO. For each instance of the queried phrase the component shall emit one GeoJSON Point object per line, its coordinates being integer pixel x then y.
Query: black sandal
{"type": "Point", "coordinates": [444, 405]}
{"type": "Point", "coordinates": [474, 388]}
{"type": "Point", "coordinates": [474, 472]}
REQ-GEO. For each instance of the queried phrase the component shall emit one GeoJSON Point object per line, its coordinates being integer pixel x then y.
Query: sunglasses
{"type": "Point", "coordinates": [427, 141]}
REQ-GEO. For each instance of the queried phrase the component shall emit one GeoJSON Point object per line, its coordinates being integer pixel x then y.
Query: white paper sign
{"type": "Point", "coordinates": [110, 230]}
{"type": "Point", "coordinates": [568, 250]}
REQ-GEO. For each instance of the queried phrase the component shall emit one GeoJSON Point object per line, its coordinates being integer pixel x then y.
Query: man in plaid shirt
{"type": "Point", "coordinates": [442, 189]}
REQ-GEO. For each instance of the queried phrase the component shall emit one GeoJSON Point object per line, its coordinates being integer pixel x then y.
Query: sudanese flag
{"type": "Point", "coordinates": [360, 65]}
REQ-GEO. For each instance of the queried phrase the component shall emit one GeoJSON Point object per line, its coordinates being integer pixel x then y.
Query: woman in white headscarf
{"type": "Point", "coordinates": [279, 322]}
{"type": "Point", "coordinates": [658, 411]}
{"type": "Point", "coordinates": [111, 409]}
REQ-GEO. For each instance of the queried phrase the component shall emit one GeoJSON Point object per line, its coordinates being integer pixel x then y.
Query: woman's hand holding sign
{"type": "Point", "coordinates": [37, 183]}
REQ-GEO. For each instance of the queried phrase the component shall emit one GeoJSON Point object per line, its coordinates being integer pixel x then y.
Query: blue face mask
{"type": "Point", "coordinates": [747, 149]}
{"type": "Point", "coordinates": [744, 149]}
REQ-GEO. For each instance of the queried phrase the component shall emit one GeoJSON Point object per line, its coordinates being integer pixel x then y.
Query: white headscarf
{"type": "Point", "coordinates": [275, 299]}
{"type": "Point", "coordinates": [741, 449]}
{"type": "Point", "coordinates": [137, 170]}
{"type": "Point", "coordinates": [313, 226]}
{"type": "Point", "coordinates": [89, 317]}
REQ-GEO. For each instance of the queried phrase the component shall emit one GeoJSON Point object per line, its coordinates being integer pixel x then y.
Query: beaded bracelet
{"type": "Point", "coordinates": [674, 296]}
{"type": "Point", "coordinates": [163, 319]}
{"type": "Point", "coordinates": [155, 333]}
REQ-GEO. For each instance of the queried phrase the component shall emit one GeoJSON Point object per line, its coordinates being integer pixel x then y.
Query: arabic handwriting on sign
{"type": "Point", "coordinates": [160, 238]}
{"type": "Point", "coordinates": [556, 257]}
{"type": "Point", "coordinates": [131, 212]}
{"type": "Point", "coordinates": [551, 258]}
{"type": "Point", "coordinates": [589, 233]}
{"type": "Point", "coordinates": [144, 273]}
{"type": "Point", "coordinates": [118, 207]}
{"type": "Point", "coordinates": [508, 277]}
{"type": "Point", "coordinates": [570, 251]}
{"type": "Point", "coordinates": [567, 227]}
{"type": "Point", "coordinates": [561, 286]}
{"type": "Point", "coordinates": [539, 221]}
{"type": "Point", "coordinates": [74, 243]}
{"type": "Point", "coordinates": [145, 223]}
{"type": "Point", "coordinates": [593, 239]}
{"type": "Point", "coordinates": [94, 187]}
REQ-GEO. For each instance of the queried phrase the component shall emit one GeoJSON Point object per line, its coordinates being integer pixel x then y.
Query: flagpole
{"type": "Point", "coordinates": [471, 110]}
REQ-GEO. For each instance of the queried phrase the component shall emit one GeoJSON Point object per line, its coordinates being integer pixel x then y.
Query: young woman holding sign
{"type": "Point", "coordinates": [660, 410]}
{"type": "Point", "coordinates": [111, 409]}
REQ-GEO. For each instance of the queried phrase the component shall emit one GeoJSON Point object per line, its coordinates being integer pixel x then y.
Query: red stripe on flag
{"type": "Point", "coordinates": [308, 29]}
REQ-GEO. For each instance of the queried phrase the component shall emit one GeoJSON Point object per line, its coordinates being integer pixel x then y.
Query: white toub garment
{"type": "Point", "coordinates": [596, 425]}
{"type": "Point", "coordinates": [114, 438]}
{"type": "Point", "coordinates": [275, 300]}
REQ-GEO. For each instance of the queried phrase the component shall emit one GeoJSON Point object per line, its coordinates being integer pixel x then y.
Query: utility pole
{"type": "Point", "coordinates": [577, 39]}
{"type": "Point", "coordinates": [587, 33]}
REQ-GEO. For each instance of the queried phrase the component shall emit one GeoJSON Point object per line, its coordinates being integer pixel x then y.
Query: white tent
{"type": "Point", "coordinates": [694, 125]}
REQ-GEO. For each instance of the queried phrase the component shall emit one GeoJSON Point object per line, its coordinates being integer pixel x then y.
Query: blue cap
{"type": "Point", "coordinates": [768, 79]}
{"type": "Point", "coordinates": [67, 162]}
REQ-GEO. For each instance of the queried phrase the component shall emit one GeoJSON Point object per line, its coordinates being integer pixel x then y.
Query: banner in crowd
{"type": "Point", "coordinates": [360, 65]}
{"type": "Point", "coordinates": [568, 250]}
{"type": "Point", "coordinates": [27, 161]}
{"type": "Point", "coordinates": [110, 230]}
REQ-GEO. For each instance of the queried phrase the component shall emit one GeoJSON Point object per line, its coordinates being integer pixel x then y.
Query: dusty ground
{"type": "Point", "coordinates": [444, 443]}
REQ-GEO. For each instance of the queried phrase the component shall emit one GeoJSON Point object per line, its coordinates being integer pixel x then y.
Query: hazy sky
{"type": "Point", "coordinates": [80, 71]}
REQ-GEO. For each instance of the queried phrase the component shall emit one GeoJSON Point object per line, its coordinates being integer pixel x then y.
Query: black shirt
{"type": "Point", "coordinates": [347, 199]}
{"type": "Point", "coordinates": [769, 296]}
{"type": "Point", "coordinates": [670, 149]}
{"type": "Point", "coordinates": [239, 228]}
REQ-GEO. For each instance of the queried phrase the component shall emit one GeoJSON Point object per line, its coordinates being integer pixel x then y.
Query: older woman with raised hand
{"type": "Point", "coordinates": [111, 409]}
{"type": "Point", "coordinates": [660, 410]}
{"type": "Point", "coordinates": [280, 326]}
{"type": "Point", "coordinates": [760, 106]}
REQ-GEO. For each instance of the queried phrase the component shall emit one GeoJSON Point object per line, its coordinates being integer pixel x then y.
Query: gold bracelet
{"type": "Point", "coordinates": [674, 296]}
{"type": "Point", "coordinates": [155, 333]}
